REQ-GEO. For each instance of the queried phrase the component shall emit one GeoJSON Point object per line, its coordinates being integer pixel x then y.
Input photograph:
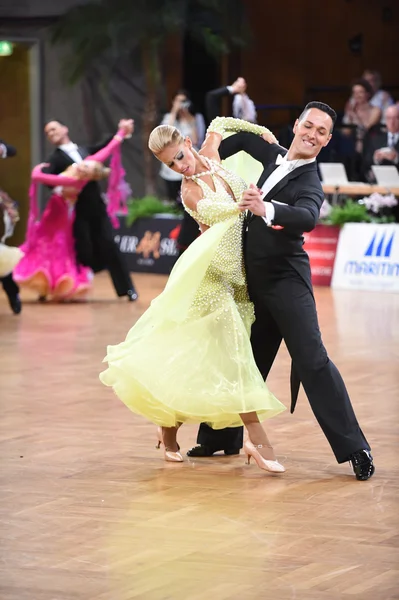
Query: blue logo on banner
{"type": "Point", "coordinates": [380, 248]}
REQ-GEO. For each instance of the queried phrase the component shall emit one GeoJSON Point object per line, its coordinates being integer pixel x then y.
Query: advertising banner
{"type": "Point", "coordinates": [367, 258]}
{"type": "Point", "coordinates": [149, 245]}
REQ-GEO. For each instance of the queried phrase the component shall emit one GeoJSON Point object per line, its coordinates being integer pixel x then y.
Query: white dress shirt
{"type": "Point", "coordinates": [285, 167]}
{"type": "Point", "coordinates": [392, 139]}
{"type": "Point", "coordinates": [72, 150]}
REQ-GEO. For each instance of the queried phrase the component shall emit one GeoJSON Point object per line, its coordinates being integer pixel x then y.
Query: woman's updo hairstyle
{"type": "Point", "coordinates": [163, 136]}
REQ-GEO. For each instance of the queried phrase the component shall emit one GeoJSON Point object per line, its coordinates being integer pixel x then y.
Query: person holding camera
{"type": "Point", "coordinates": [180, 116]}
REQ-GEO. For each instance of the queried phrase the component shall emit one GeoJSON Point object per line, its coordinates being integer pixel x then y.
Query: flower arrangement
{"type": "Point", "coordinates": [370, 209]}
{"type": "Point", "coordinates": [377, 203]}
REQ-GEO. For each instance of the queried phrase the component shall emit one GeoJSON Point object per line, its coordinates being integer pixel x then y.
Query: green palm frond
{"type": "Point", "coordinates": [107, 29]}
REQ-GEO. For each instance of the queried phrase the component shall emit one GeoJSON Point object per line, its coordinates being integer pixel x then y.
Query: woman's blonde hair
{"type": "Point", "coordinates": [163, 136]}
{"type": "Point", "coordinates": [100, 172]}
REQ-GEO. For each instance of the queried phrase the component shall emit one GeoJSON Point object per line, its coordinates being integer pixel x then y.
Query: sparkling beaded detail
{"type": "Point", "coordinates": [224, 288]}
{"type": "Point", "coordinates": [227, 124]}
{"type": "Point", "coordinates": [210, 171]}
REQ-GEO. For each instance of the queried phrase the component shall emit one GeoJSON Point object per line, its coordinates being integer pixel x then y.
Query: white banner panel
{"type": "Point", "coordinates": [367, 258]}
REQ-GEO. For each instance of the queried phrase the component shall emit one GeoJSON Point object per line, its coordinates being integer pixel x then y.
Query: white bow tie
{"type": "Point", "coordinates": [280, 159]}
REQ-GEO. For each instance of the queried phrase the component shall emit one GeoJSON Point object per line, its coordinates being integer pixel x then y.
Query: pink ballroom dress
{"type": "Point", "coordinates": [49, 263]}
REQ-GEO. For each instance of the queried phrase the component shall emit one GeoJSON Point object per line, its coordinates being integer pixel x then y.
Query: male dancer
{"type": "Point", "coordinates": [279, 277]}
{"type": "Point", "coordinates": [94, 236]}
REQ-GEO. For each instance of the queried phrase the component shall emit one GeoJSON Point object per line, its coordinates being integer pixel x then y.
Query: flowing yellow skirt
{"type": "Point", "coordinates": [183, 366]}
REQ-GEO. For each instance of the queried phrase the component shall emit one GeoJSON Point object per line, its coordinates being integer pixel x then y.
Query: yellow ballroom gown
{"type": "Point", "coordinates": [188, 359]}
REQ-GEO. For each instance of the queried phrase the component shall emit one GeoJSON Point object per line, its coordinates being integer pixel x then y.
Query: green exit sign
{"type": "Point", "coordinates": [5, 48]}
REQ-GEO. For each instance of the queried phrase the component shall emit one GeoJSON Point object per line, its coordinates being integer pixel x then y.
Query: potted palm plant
{"type": "Point", "coordinates": [107, 31]}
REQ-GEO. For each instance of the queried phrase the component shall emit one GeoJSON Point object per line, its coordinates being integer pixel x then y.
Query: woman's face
{"type": "Point", "coordinates": [179, 157]}
{"type": "Point", "coordinates": [359, 94]}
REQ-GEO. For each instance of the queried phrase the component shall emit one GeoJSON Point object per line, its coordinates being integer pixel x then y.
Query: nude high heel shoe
{"type": "Point", "coordinates": [169, 455]}
{"type": "Point", "coordinates": [273, 466]}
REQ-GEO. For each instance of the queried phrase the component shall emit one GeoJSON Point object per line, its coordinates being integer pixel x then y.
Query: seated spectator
{"type": "Point", "coordinates": [362, 117]}
{"type": "Point", "coordinates": [359, 112]}
{"type": "Point", "coordinates": [381, 99]}
{"type": "Point", "coordinates": [383, 149]}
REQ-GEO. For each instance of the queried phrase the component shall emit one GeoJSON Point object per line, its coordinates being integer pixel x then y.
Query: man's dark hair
{"type": "Point", "coordinates": [57, 121]}
{"type": "Point", "coordinates": [321, 106]}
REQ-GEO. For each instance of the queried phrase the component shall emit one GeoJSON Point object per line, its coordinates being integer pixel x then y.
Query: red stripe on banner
{"type": "Point", "coordinates": [321, 246]}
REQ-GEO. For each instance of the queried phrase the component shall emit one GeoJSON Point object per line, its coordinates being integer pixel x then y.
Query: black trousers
{"type": "Point", "coordinates": [9, 285]}
{"type": "Point", "coordinates": [96, 248]}
{"type": "Point", "coordinates": [173, 189]}
{"type": "Point", "coordinates": [189, 232]}
{"type": "Point", "coordinates": [285, 309]}
{"type": "Point", "coordinates": [220, 439]}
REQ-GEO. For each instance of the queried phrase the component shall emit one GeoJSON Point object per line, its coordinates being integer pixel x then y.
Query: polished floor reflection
{"type": "Point", "coordinates": [90, 511]}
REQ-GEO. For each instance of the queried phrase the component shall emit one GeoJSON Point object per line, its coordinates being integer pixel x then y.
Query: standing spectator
{"type": "Point", "coordinates": [180, 116]}
{"type": "Point", "coordinates": [242, 106]}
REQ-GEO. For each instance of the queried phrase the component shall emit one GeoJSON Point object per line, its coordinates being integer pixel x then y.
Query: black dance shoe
{"type": "Point", "coordinates": [362, 464]}
{"type": "Point", "coordinates": [231, 451]}
{"type": "Point", "coordinates": [15, 303]}
{"type": "Point", "coordinates": [132, 295]}
{"type": "Point", "coordinates": [203, 451]}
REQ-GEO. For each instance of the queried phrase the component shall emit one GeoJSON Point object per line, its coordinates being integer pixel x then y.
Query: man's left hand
{"type": "Point", "coordinates": [127, 125]}
{"type": "Point", "coordinates": [392, 155]}
{"type": "Point", "coordinates": [252, 200]}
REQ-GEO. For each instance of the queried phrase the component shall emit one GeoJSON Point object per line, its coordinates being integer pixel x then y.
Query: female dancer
{"type": "Point", "coordinates": [189, 358]}
{"type": "Point", "coordinates": [49, 265]}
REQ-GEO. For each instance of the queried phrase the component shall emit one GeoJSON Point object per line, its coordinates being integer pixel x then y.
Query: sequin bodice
{"type": "Point", "coordinates": [224, 287]}
{"type": "Point", "coordinates": [218, 204]}
{"type": "Point", "coordinates": [225, 280]}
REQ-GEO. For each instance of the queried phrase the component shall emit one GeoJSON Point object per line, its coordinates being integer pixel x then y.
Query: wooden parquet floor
{"type": "Point", "coordinates": [90, 511]}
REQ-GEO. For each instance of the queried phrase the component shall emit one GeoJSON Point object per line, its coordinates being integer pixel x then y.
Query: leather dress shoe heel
{"type": "Point", "coordinates": [201, 451]}
{"type": "Point", "coordinates": [362, 464]}
{"type": "Point", "coordinates": [132, 295]}
{"type": "Point", "coordinates": [15, 303]}
{"type": "Point", "coordinates": [232, 451]}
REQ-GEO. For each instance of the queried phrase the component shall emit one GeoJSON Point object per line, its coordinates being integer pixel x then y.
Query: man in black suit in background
{"type": "Point", "coordinates": [242, 106]}
{"type": "Point", "coordinates": [8, 283]}
{"type": "Point", "coordinates": [279, 277]}
{"type": "Point", "coordinates": [93, 233]}
{"type": "Point", "coordinates": [383, 148]}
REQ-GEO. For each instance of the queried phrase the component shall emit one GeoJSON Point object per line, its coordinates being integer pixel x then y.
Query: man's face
{"type": "Point", "coordinates": [56, 133]}
{"type": "Point", "coordinates": [392, 119]}
{"type": "Point", "coordinates": [312, 133]}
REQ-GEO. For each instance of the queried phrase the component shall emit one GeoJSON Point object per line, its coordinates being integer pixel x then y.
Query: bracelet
{"type": "Point", "coordinates": [118, 137]}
